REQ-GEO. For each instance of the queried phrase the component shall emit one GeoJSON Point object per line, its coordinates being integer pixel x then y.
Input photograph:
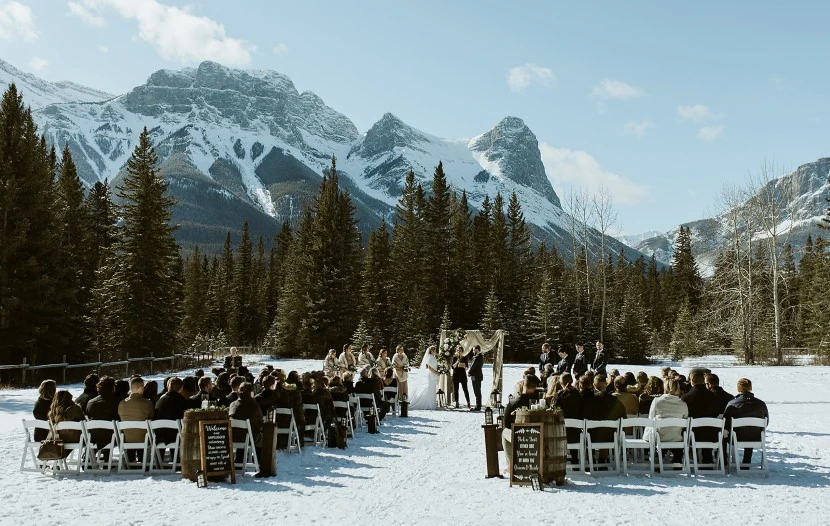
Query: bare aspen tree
{"type": "Point", "coordinates": [581, 214]}
{"type": "Point", "coordinates": [606, 217]}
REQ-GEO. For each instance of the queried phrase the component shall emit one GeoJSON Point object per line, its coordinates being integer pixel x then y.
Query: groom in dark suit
{"type": "Point", "coordinates": [476, 375]}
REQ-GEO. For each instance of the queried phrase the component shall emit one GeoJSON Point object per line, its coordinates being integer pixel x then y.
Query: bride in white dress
{"type": "Point", "coordinates": [427, 381]}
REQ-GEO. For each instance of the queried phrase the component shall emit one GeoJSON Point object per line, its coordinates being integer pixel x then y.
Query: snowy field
{"type": "Point", "coordinates": [429, 469]}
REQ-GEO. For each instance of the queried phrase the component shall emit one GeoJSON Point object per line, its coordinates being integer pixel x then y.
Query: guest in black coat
{"type": "Point", "coordinates": [600, 360]}
{"type": "Point", "coordinates": [564, 364]}
{"type": "Point", "coordinates": [267, 398]}
{"type": "Point", "coordinates": [580, 362]}
{"type": "Point", "coordinates": [713, 384]}
{"type": "Point", "coordinates": [171, 406]}
{"type": "Point", "coordinates": [289, 397]}
{"type": "Point", "coordinates": [702, 403]}
{"type": "Point", "coordinates": [90, 391]}
{"type": "Point", "coordinates": [548, 356]}
{"type": "Point", "coordinates": [745, 405]}
{"type": "Point", "coordinates": [245, 408]}
{"type": "Point", "coordinates": [103, 407]}
{"type": "Point", "coordinates": [602, 406]}
{"type": "Point", "coordinates": [476, 374]}
{"type": "Point", "coordinates": [525, 399]}
{"type": "Point", "coordinates": [205, 393]}
{"type": "Point", "coordinates": [367, 386]}
{"type": "Point", "coordinates": [46, 393]}
{"type": "Point", "coordinates": [570, 402]}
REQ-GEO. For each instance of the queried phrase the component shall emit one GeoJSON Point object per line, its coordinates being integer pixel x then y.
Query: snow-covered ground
{"type": "Point", "coordinates": [429, 469]}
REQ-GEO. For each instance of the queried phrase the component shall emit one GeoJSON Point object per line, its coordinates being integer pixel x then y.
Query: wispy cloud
{"type": "Point", "coordinates": [710, 133]}
{"type": "Point", "coordinates": [16, 21]}
{"type": "Point", "coordinates": [88, 17]}
{"type": "Point", "coordinates": [577, 168]}
{"type": "Point", "coordinates": [38, 63]}
{"type": "Point", "coordinates": [176, 34]}
{"type": "Point", "coordinates": [103, 49]}
{"type": "Point", "coordinates": [638, 128]}
{"type": "Point", "coordinates": [616, 90]}
{"type": "Point", "coordinates": [280, 48]}
{"type": "Point", "coordinates": [520, 77]}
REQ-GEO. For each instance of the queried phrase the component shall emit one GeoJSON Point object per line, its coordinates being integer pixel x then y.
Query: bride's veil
{"type": "Point", "coordinates": [425, 359]}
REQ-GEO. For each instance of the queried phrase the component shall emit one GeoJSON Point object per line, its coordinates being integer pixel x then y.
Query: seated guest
{"type": "Point", "coordinates": [245, 408]}
{"type": "Point", "coordinates": [267, 398]}
{"type": "Point", "coordinates": [258, 382]}
{"type": "Point", "coordinates": [308, 389]}
{"type": "Point", "coordinates": [628, 400]}
{"type": "Point", "coordinates": [603, 406]}
{"type": "Point", "coordinates": [151, 391]}
{"type": "Point", "coordinates": [519, 388]}
{"type": "Point", "coordinates": [713, 384]}
{"type": "Point", "coordinates": [554, 386]}
{"type": "Point", "coordinates": [366, 385]}
{"type": "Point", "coordinates": [570, 402]}
{"type": "Point", "coordinates": [236, 381]}
{"type": "Point", "coordinates": [702, 403]}
{"type": "Point", "coordinates": [653, 389]}
{"type": "Point", "coordinates": [171, 406]}
{"type": "Point", "coordinates": [205, 393]}
{"type": "Point", "coordinates": [324, 399]}
{"type": "Point", "coordinates": [348, 382]}
{"type": "Point", "coordinates": [103, 407]}
{"type": "Point", "coordinates": [222, 390]}
{"type": "Point", "coordinates": [190, 386]}
{"type": "Point", "coordinates": [135, 408]}
{"type": "Point", "coordinates": [389, 380]}
{"type": "Point", "coordinates": [90, 391]}
{"type": "Point", "coordinates": [639, 385]}
{"type": "Point", "coordinates": [198, 373]}
{"type": "Point", "coordinates": [668, 405]}
{"type": "Point", "coordinates": [745, 405]}
{"type": "Point", "coordinates": [525, 399]}
{"type": "Point", "coordinates": [46, 393]}
{"type": "Point", "coordinates": [289, 397]}
{"type": "Point", "coordinates": [234, 360]}
{"type": "Point", "coordinates": [122, 389]}
{"type": "Point", "coordinates": [665, 373]}
{"type": "Point", "coordinates": [63, 409]}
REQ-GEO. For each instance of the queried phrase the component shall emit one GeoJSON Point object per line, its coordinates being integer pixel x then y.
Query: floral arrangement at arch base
{"type": "Point", "coordinates": [448, 347]}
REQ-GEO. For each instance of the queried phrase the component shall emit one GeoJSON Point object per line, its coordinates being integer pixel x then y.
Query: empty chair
{"type": "Point", "coordinates": [99, 457]}
{"type": "Point", "coordinates": [671, 426]}
{"type": "Point", "coordinates": [31, 446]}
{"type": "Point", "coordinates": [716, 445]}
{"type": "Point", "coordinates": [314, 424]}
{"type": "Point", "coordinates": [294, 441]}
{"type": "Point", "coordinates": [124, 447]}
{"type": "Point", "coordinates": [632, 440]}
{"type": "Point", "coordinates": [75, 449]}
{"type": "Point", "coordinates": [165, 436]}
{"type": "Point", "coordinates": [600, 441]}
{"type": "Point", "coordinates": [759, 443]}
{"type": "Point", "coordinates": [578, 445]}
{"type": "Point", "coordinates": [248, 458]}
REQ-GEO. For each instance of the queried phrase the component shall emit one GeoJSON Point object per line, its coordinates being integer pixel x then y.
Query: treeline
{"type": "Point", "coordinates": [80, 275]}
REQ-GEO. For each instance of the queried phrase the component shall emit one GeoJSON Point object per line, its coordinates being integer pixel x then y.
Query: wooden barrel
{"type": "Point", "coordinates": [555, 460]}
{"type": "Point", "coordinates": [190, 451]}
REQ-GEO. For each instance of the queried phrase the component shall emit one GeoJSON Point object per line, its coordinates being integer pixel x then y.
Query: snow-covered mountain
{"type": "Point", "coordinates": [39, 93]}
{"type": "Point", "coordinates": [808, 184]}
{"type": "Point", "coordinates": [246, 144]}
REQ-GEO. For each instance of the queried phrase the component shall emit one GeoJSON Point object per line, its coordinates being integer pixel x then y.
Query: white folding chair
{"type": "Point", "coordinates": [31, 446]}
{"type": "Point", "coordinates": [391, 394]}
{"type": "Point", "coordinates": [343, 412]}
{"type": "Point", "coordinates": [718, 465]}
{"type": "Point", "coordinates": [159, 448]}
{"type": "Point", "coordinates": [92, 462]}
{"type": "Point", "coordinates": [683, 444]}
{"type": "Point", "coordinates": [579, 445]}
{"type": "Point", "coordinates": [312, 414]}
{"type": "Point", "coordinates": [613, 446]}
{"type": "Point", "coordinates": [636, 443]}
{"type": "Point", "coordinates": [367, 404]}
{"type": "Point", "coordinates": [761, 424]}
{"type": "Point", "coordinates": [359, 422]}
{"type": "Point", "coordinates": [294, 443]}
{"type": "Point", "coordinates": [124, 463]}
{"type": "Point", "coordinates": [249, 456]}
{"type": "Point", "coordinates": [76, 449]}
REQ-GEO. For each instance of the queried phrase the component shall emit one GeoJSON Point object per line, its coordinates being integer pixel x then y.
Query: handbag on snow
{"type": "Point", "coordinates": [50, 450]}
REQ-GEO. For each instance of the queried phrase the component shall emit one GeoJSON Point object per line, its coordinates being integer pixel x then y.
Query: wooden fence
{"type": "Point", "coordinates": [141, 365]}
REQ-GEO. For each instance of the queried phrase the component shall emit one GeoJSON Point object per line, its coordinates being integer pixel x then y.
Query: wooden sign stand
{"type": "Point", "coordinates": [527, 440]}
{"type": "Point", "coordinates": [216, 447]}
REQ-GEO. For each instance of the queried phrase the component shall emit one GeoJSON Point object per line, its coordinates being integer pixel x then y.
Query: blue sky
{"type": "Point", "coordinates": [661, 103]}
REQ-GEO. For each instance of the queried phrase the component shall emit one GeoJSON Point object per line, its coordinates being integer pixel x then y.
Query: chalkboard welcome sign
{"type": "Point", "coordinates": [217, 448]}
{"type": "Point", "coordinates": [527, 453]}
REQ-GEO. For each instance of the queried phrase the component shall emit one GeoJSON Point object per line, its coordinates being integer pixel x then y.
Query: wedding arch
{"type": "Point", "coordinates": [494, 344]}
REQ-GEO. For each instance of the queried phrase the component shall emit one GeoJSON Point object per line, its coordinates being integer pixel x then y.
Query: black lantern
{"type": "Point", "coordinates": [201, 479]}
{"type": "Point", "coordinates": [495, 398]}
{"type": "Point", "coordinates": [488, 416]}
{"type": "Point", "coordinates": [500, 418]}
{"type": "Point", "coordinates": [536, 482]}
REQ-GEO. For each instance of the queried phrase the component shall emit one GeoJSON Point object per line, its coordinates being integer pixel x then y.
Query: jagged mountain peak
{"type": "Point", "coordinates": [39, 93]}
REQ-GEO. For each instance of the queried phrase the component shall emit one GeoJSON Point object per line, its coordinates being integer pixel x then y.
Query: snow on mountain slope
{"type": "Point", "coordinates": [39, 93]}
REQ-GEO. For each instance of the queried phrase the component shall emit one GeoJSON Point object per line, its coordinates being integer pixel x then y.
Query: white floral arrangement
{"type": "Point", "coordinates": [450, 342]}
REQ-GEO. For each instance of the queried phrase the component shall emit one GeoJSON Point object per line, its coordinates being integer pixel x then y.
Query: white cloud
{"type": "Point", "coordinates": [176, 34]}
{"type": "Point", "coordinates": [103, 49]}
{"type": "Point", "coordinates": [696, 113]}
{"type": "Point", "coordinates": [520, 77]}
{"type": "Point", "coordinates": [38, 63]}
{"type": "Point", "coordinates": [88, 17]}
{"type": "Point", "coordinates": [577, 168]}
{"type": "Point", "coordinates": [710, 133]}
{"type": "Point", "coordinates": [280, 48]}
{"type": "Point", "coordinates": [16, 21]}
{"type": "Point", "coordinates": [638, 128]}
{"type": "Point", "coordinates": [616, 90]}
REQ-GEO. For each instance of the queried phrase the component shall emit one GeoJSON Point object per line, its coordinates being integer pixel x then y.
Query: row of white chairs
{"type": "Point", "coordinates": [628, 434]}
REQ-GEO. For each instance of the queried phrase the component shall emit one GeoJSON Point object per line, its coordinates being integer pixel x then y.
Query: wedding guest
{"type": "Point", "coordinates": [151, 391]}
{"type": "Point", "coordinates": [90, 391]}
{"type": "Point", "coordinates": [171, 406]}
{"type": "Point", "coordinates": [103, 407]}
{"type": "Point", "coordinates": [64, 409]}
{"type": "Point", "coordinates": [389, 380]}
{"type": "Point", "coordinates": [580, 363]}
{"type": "Point", "coordinates": [640, 384]}
{"type": "Point", "coordinates": [570, 402]}
{"type": "Point", "coordinates": [324, 400]}
{"type": "Point", "coordinates": [245, 408]}
{"type": "Point", "coordinates": [401, 365]}
{"type": "Point", "coordinates": [206, 392]}
{"type": "Point", "coordinates": [190, 386]}
{"type": "Point", "coordinates": [553, 388]}
{"type": "Point", "coordinates": [367, 386]}
{"type": "Point", "coordinates": [653, 389]}
{"type": "Point", "coordinates": [383, 362]}
{"type": "Point", "coordinates": [347, 359]}
{"type": "Point", "coordinates": [122, 389]}
{"type": "Point", "coordinates": [459, 375]}
{"type": "Point", "coordinates": [564, 364]}
{"type": "Point", "coordinates": [525, 399]}
{"type": "Point", "coordinates": [476, 374]}
{"type": "Point", "coordinates": [628, 400]}
{"type": "Point", "coordinates": [222, 389]}
{"type": "Point", "coordinates": [289, 397]}
{"type": "Point", "coordinates": [46, 393]}
{"type": "Point", "coordinates": [267, 398]}
{"type": "Point", "coordinates": [702, 403]}
{"type": "Point", "coordinates": [236, 381]}
{"type": "Point", "coordinates": [745, 405]}
{"type": "Point", "coordinates": [331, 365]}
{"type": "Point", "coordinates": [135, 408]}
{"type": "Point", "coordinates": [365, 358]}
{"type": "Point", "coordinates": [668, 405]}
{"type": "Point", "coordinates": [713, 384]}
{"type": "Point", "coordinates": [600, 359]}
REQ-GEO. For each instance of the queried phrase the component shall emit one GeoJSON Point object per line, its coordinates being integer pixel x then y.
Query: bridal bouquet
{"type": "Point", "coordinates": [442, 369]}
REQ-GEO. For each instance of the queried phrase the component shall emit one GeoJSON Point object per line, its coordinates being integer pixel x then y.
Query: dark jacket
{"type": "Point", "coordinates": [290, 398]}
{"type": "Point", "coordinates": [171, 406]}
{"type": "Point", "coordinates": [745, 405]}
{"type": "Point", "coordinates": [703, 403]}
{"type": "Point", "coordinates": [41, 412]}
{"type": "Point", "coordinates": [563, 365]}
{"type": "Point", "coordinates": [84, 398]}
{"type": "Point", "coordinates": [547, 358]}
{"type": "Point", "coordinates": [72, 414]}
{"type": "Point", "coordinates": [580, 365]}
{"type": "Point", "coordinates": [220, 395]}
{"type": "Point", "coordinates": [603, 407]}
{"type": "Point", "coordinates": [600, 363]}
{"type": "Point", "coordinates": [324, 401]}
{"type": "Point", "coordinates": [723, 398]}
{"type": "Point", "coordinates": [196, 400]}
{"type": "Point", "coordinates": [475, 371]}
{"type": "Point", "coordinates": [570, 402]}
{"type": "Point", "coordinates": [247, 409]}
{"type": "Point", "coordinates": [266, 399]}
{"type": "Point", "coordinates": [102, 408]}
{"type": "Point", "coordinates": [523, 400]}
{"type": "Point", "coordinates": [645, 403]}
{"type": "Point", "coordinates": [367, 386]}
